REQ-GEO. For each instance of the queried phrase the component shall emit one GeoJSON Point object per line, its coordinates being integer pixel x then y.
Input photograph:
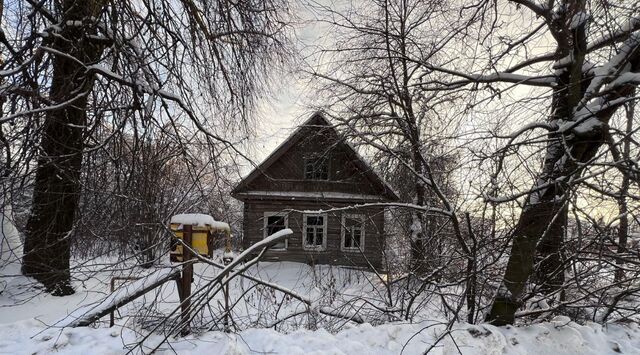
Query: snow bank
{"type": "Point", "coordinates": [553, 338]}
{"type": "Point", "coordinates": [560, 336]}
{"type": "Point", "coordinates": [31, 336]}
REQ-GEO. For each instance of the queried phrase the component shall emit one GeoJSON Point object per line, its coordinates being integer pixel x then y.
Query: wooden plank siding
{"type": "Point", "coordinates": [279, 184]}
{"type": "Point", "coordinates": [254, 212]}
{"type": "Point", "coordinates": [287, 173]}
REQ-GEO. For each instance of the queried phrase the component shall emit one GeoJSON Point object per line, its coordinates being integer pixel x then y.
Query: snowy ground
{"type": "Point", "coordinates": [28, 318]}
{"type": "Point", "coordinates": [557, 337]}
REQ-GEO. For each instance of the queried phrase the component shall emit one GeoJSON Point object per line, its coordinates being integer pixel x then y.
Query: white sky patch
{"type": "Point", "coordinates": [289, 104]}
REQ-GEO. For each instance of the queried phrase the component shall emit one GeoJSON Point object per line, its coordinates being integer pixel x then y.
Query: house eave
{"type": "Point", "coordinates": [308, 196]}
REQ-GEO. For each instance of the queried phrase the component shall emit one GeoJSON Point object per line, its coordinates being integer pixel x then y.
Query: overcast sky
{"type": "Point", "coordinates": [288, 107]}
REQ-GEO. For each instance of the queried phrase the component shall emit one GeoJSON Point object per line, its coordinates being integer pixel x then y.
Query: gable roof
{"type": "Point", "coordinates": [317, 119]}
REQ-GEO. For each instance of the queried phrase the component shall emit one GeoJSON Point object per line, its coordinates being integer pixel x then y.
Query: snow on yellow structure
{"type": "Point", "coordinates": [207, 234]}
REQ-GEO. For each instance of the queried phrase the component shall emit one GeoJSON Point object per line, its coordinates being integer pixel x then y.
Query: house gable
{"type": "Point", "coordinates": [282, 174]}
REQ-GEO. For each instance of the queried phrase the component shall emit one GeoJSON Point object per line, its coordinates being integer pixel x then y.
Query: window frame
{"type": "Point", "coordinates": [343, 232]}
{"type": "Point", "coordinates": [315, 158]}
{"type": "Point", "coordinates": [325, 221]}
{"type": "Point", "coordinates": [265, 224]}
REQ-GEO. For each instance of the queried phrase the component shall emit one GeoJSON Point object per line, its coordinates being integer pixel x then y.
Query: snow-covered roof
{"type": "Point", "coordinates": [198, 219]}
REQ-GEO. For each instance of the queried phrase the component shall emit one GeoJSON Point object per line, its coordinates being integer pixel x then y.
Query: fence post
{"type": "Point", "coordinates": [187, 276]}
{"type": "Point", "coordinates": [112, 320]}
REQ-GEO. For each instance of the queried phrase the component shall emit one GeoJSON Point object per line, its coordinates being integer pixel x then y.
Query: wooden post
{"type": "Point", "coordinates": [112, 319]}
{"type": "Point", "coordinates": [187, 276]}
{"type": "Point", "coordinates": [227, 259]}
{"type": "Point", "coordinates": [225, 291]}
{"type": "Point", "coordinates": [210, 243]}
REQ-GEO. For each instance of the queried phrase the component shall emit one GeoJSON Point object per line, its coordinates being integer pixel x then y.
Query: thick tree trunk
{"type": "Point", "coordinates": [545, 212]}
{"type": "Point", "coordinates": [541, 223]}
{"type": "Point", "coordinates": [539, 231]}
{"type": "Point", "coordinates": [57, 181]}
{"type": "Point", "coordinates": [550, 266]}
{"type": "Point", "coordinates": [549, 273]}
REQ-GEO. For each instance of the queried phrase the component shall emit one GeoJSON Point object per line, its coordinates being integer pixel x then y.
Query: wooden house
{"type": "Point", "coordinates": [313, 184]}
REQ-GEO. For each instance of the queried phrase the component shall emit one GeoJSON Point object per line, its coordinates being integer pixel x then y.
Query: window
{"type": "Point", "coordinates": [315, 231]}
{"type": "Point", "coordinates": [316, 168]}
{"type": "Point", "coordinates": [352, 232]}
{"type": "Point", "coordinates": [274, 222]}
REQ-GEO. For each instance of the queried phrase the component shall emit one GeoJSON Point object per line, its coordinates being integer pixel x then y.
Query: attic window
{"type": "Point", "coordinates": [316, 168]}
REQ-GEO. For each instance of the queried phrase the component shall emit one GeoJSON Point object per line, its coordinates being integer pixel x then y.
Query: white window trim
{"type": "Point", "coordinates": [286, 225]}
{"type": "Point", "coordinates": [325, 219]}
{"type": "Point", "coordinates": [343, 230]}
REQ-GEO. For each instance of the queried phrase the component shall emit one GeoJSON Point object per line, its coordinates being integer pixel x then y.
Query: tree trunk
{"type": "Point", "coordinates": [57, 182]}
{"type": "Point", "coordinates": [418, 232]}
{"type": "Point", "coordinates": [549, 274]}
{"type": "Point", "coordinates": [545, 212]}
{"type": "Point", "coordinates": [539, 231]}
{"type": "Point", "coordinates": [623, 227]}
{"type": "Point", "coordinates": [550, 266]}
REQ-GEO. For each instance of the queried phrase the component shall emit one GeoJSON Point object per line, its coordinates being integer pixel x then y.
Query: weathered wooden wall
{"type": "Point", "coordinates": [279, 184]}
{"type": "Point", "coordinates": [287, 173]}
{"type": "Point", "coordinates": [374, 228]}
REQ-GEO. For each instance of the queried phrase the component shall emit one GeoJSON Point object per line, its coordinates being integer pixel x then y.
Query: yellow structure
{"type": "Point", "coordinates": [207, 234]}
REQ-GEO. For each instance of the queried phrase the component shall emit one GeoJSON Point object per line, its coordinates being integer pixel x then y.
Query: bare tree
{"type": "Point", "coordinates": [577, 87]}
{"type": "Point", "coordinates": [623, 206]}
{"type": "Point", "coordinates": [584, 99]}
{"type": "Point", "coordinates": [57, 188]}
{"type": "Point", "coordinates": [374, 90]}
{"type": "Point", "coordinates": [74, 66]}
